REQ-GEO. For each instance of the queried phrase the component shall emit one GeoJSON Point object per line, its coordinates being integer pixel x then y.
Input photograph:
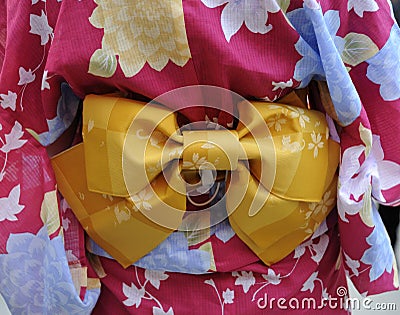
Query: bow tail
{"type": "Point", "coordinates": [270, 225]}
{"type": "Point", "coordinates": [122, 226]}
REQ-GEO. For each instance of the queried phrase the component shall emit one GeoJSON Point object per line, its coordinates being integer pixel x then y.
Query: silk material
{"type": "Point", "coordinates": [134, 189]}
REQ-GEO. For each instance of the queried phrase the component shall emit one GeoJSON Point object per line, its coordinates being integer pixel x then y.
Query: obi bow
{"type": "Point", "coordinates": [125, 186]}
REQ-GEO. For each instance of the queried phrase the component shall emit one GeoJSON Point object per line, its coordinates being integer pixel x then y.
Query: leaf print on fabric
{"type": "Point", "coordinates": [245, 279]}
{"type": "Point", "coordinates": [133, 294]}
{"type": "Point", "coordinates": [13, 139]}
{"type": "Point", "coordinates": [155, 276]}
{"type": "Point", "coordinates": [10, 206]}
{"type": "Point", "coordinates": [384, 67]}
{"type": "Point", "coordinates": [272, 277]}
{"type": "Point", "coordinates": [160, 311]}
{"type": "Point", "coordinates": [352, 264]}
{"type": "Point", "coordinates": [8, 100]}
{"type": "Point", "coordinates": [317, 250]}
{"type": "Point", "coordinates": [358, 48]}
{"type": "Point", "coordinates": [103, 63]}
{"type": "Point", "coordinates": [25, 77]}
{"type": "Point", "coordinates": [309, 285]}
{"type": "Point", "coordinates": [254, 14]}
{"type": "Point", "coordinates": [361, 6]}
{"type": "Point", "coordinates": [283, 4]}
{"type": "Point", "coordinates": [49, 212]}
{"type": "Point", "coordinates": [156, 33]}
{"type": "Point", "coordinates": [40, 26]}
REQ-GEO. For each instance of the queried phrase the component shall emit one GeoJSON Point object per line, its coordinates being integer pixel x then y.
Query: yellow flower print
{"type": "Point", "coordinates": [142, 199]}
{"type": "Point", "coordinates": [316, 143]}
{"type": "Point", "coordinates": [276, 122]}
{"type": "Point", "coordinates": [151, 31]}
{"type": "Point", "coordinates": [325, 204]}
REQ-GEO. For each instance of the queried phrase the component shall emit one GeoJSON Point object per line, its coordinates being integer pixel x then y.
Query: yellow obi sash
{"type": "Point", "coordinates": [124, 181]}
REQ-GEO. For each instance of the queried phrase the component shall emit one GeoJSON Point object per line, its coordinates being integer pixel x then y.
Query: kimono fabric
{"type": "Point", "coordinates": [329, 68]}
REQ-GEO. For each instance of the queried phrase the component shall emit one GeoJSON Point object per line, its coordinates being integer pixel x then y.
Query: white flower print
{"type": "Point", "coordinates": [316, 143]}
{"type": "Point", "coordinates": [361, 6]}
{"type": "Point", "coordinates": [8, 100]}
{"type": "Point", "coordinates": [253, 13]}
{"type": "Point", "coordinates": [134, 295]}
{"type": "Point", "coordinates": [245, 279]}
{"type": "Point", "coordinates": [141, 199]}
{"type": "Point", "coordinates": [276, 122]}
{"type": "Point", "coordinates": [228, 296]}
{"type": "Point", "coordinates": [356, 179]}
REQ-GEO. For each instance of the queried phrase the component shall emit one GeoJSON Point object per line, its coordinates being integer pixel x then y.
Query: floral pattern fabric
{"type": "Point", "coordinates": [53, 53]}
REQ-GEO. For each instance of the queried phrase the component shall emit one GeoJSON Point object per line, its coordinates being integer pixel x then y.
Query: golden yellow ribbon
{"type": "Point", "coordinates": [125, 187]}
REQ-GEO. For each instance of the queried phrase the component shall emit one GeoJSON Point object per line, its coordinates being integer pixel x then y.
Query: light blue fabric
{"type": "Point", "coordinates": [321, 49]}
{"type": "Point", "coordinates": [380, 255]}
{"type": "Point", "coordinates": [384, 67]}
{"type": "Point", "coordinates": [35, 277]}
{"type": "Point", "coordinates": [67, 108]}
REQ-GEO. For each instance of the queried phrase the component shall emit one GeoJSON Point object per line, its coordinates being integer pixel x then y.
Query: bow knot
{"type": "Point", "coordinates": [211, 149]}
{"type": "Point", "coordinates": [281, 160]}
